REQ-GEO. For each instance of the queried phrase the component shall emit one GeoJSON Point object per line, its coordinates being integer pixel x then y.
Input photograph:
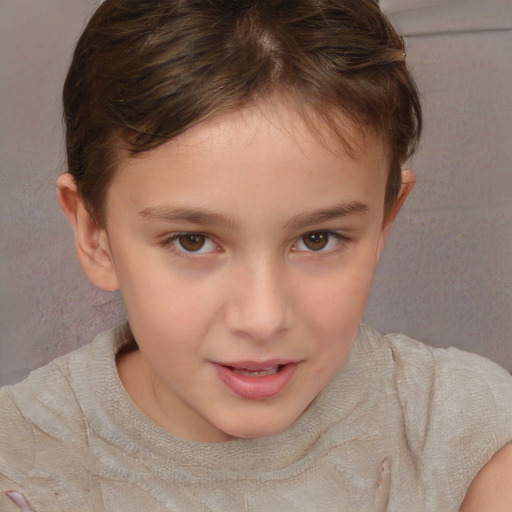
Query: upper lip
{"type": "Point", "coordinates": [255, 365]}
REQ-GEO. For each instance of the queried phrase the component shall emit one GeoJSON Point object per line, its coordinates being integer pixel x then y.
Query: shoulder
{"type": "Point", "coordinates": [417, 367]}
{"type": "Point", "coordinates": [43, 405]}
{"type": "Point", "coordinates": [49, 388]}
{"type": "Point", "coordinates": [49, 444]}
{"type": "Point", "coordinates": [427, 372]}
{"type": "Point", "coordinates": [457, 410]}
{"type": "Point", "coordinates": [445, 370]}
{"type": "Point", "coordinates": [34, 415]}
{"type": "Point", "coordinates": [53, 392]}
{"type": "Point", "coordinates": [42, 416]}
{"type": "Point", "coordinates": [451, 381]}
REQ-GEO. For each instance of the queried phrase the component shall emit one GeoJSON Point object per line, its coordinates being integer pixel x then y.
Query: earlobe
{"type": "Point", "coordinates": [91, 240]}
{"type": "Point", "coordinates": [408, 181]}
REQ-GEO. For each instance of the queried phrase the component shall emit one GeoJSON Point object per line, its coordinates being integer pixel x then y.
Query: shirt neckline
{"type": "Point", "coordinates": [115, 419]}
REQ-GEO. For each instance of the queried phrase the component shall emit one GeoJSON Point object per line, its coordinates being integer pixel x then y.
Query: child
{"type": "Point", "coordinates": [234, 168]}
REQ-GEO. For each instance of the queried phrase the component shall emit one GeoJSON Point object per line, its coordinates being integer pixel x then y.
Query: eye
{"type": "Point", "coordinates": [196, 243]}
{"type": "Point", "coordinates": [319, 241]}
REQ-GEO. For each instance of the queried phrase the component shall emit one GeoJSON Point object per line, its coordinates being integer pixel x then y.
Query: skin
{"type": "Point", "coordinates": [260, 187]}
{"type": "Point", "coordinates": [491, 490]}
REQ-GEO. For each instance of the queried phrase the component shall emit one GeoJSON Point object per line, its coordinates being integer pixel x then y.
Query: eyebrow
{"type": "Point", "coordinates": [326, 214]}
{"type": "Point", "coordinates": [207, 218]}
{"type": "Point", "coordinates": [195, 216]}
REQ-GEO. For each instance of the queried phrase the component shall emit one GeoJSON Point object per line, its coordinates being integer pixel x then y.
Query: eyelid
{"type": "Point", "coordinates": [168, 241]}
{"type": "Point", "coordinates": [341, 240]}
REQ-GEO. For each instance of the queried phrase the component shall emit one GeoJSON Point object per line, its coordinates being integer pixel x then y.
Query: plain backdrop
{"type": "Point", "coordinates": [446, 274]}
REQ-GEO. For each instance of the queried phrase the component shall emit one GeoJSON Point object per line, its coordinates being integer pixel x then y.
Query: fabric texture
{"type": "Point", "coordinates": [402, 427]}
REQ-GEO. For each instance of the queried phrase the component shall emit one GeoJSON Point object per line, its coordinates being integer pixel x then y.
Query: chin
{"type": "Point", "coordinates": [258, 427]}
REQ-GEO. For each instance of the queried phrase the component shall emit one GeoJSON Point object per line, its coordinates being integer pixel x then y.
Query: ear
{"type": "Point", "coordinates": [408, 181]}
{"type": "Point", "coordinates": [91, 240]}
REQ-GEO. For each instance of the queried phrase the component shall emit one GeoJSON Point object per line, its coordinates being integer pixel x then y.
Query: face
{"type": "Point", "coordinates": [244, 250]}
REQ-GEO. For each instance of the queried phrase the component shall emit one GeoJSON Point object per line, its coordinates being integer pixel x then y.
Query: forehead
{"type": "Point", "coordinates": [263, 150]}
{"type": "Point", "coordinates": [292, 117]}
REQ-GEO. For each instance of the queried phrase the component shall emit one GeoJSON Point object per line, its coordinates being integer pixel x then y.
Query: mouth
{"type": "Point", "coordinates": [272, 370]}
{"type": "Point", "coordinates": [256, 381]}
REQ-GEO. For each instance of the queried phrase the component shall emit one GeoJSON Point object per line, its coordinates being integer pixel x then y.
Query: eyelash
{"type": "Point", "coordinates": [169, 243]}
{"type": "Point", "coordinates": [340, 239]}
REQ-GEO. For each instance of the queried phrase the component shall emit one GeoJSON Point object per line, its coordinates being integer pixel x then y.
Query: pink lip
{"type": "Point", "coordinates": [258, 387]}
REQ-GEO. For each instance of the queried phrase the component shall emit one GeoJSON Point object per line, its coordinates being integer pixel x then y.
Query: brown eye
{"type": "Point", "coordinates": [316, 241]}
{"type": "Point", "coordinates": [192, 242]}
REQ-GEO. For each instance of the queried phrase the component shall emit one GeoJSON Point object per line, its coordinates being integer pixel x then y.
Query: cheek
{"type": "Point", "coordinates": [342, 293]}
{"type": "Point", "coordinates": [169, 323]}
{"type": "Point", "coordinates": [169, 309]}
{"type": "Point", "coordinates": [335, 305]}
{"type": "Point", "coordinates": [163, 303]}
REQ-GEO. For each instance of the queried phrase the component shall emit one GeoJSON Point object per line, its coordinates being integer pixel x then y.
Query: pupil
{"type": "Point", "coordinates": [192, 242]}
{"type": "Point", "coordinates": [316, 241]}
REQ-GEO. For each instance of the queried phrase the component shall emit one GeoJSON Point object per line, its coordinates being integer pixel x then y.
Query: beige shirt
{"type": "Point", "coordinates": [402, 427]}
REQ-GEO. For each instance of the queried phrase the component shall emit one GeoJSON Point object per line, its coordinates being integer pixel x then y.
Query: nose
{"type": "Point", "coordinates": [260, 306]}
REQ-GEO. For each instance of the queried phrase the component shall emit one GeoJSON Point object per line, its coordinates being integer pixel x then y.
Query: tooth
{"type": "Point", "coordinates": [257, 373]}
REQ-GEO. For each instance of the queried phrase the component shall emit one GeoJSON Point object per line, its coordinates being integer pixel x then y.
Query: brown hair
{"type": "Point", "coordinates": [145, 71]}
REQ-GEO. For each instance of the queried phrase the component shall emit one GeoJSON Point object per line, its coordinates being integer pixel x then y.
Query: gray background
{"type": "Point", "coordinates": [446, 275]}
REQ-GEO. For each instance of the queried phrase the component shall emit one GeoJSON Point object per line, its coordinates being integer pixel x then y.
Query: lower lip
{"type": "Point", "coordinates": [256, 388]}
